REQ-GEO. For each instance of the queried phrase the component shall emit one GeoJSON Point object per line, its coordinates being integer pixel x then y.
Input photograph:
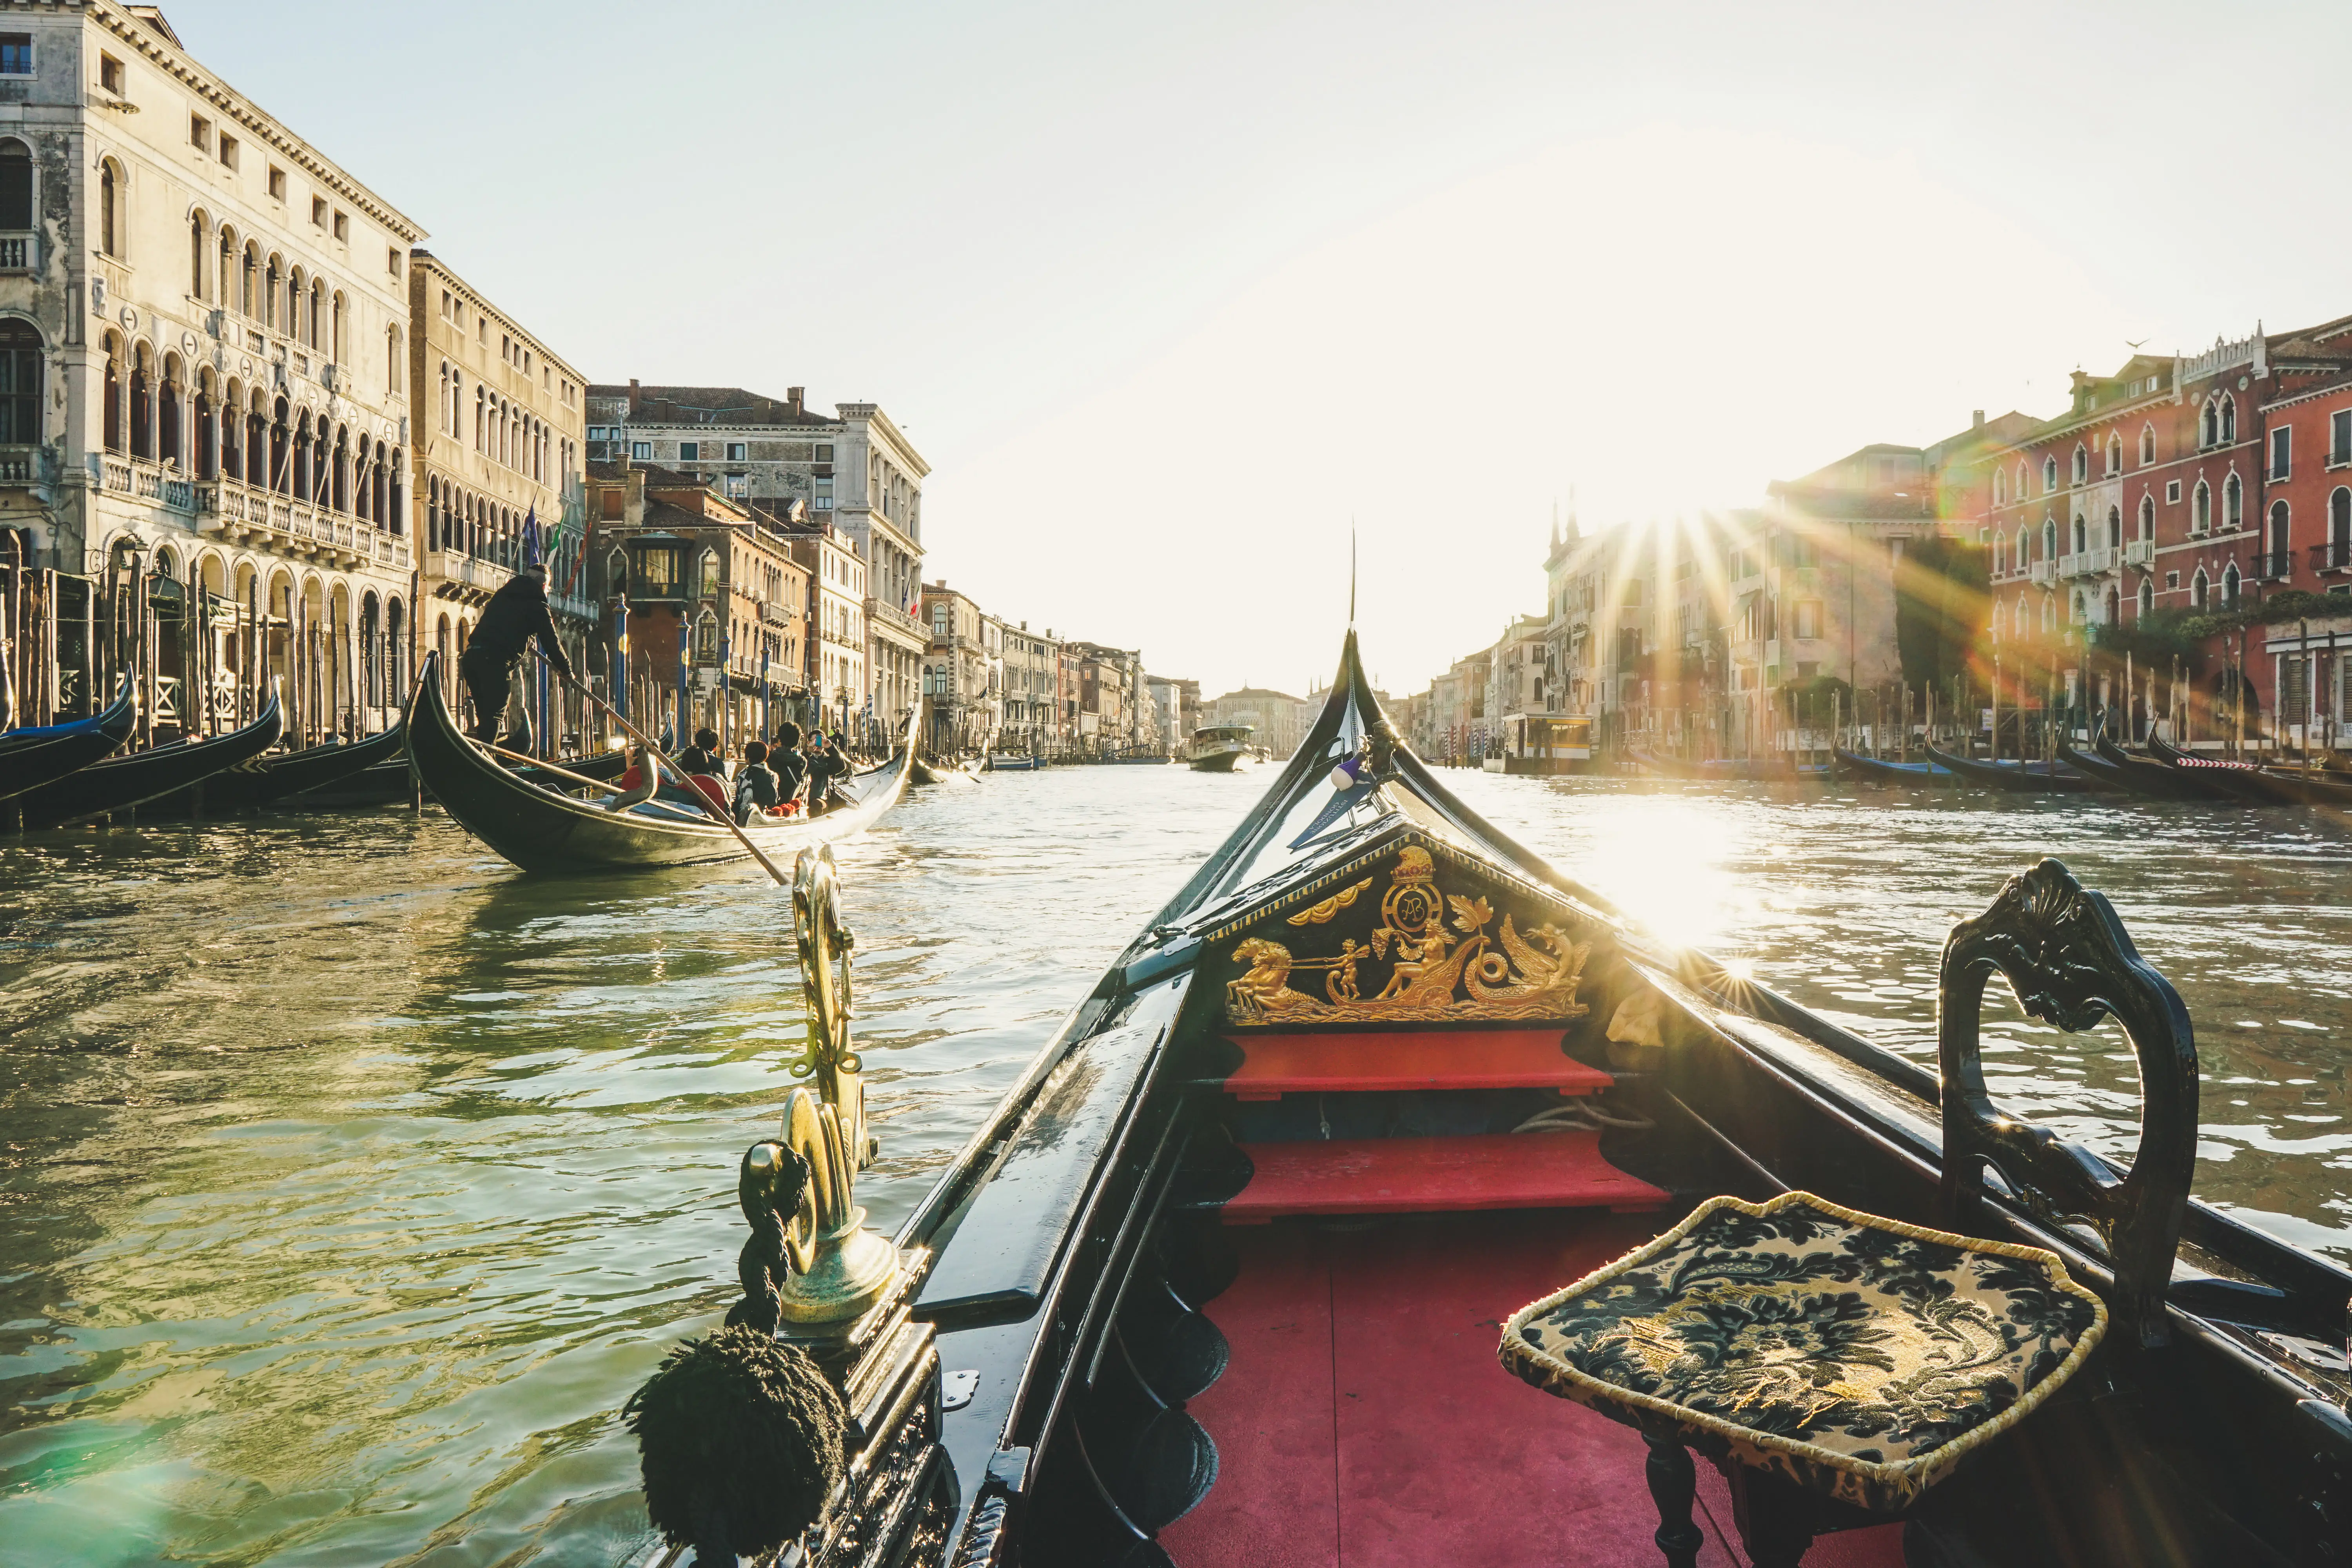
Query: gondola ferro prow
{"type": "Point", "coordinates": [2070, 963]}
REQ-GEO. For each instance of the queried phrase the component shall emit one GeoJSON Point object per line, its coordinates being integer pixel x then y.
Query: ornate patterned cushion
{"type": "Point", "coordinates": [1856, 1355]}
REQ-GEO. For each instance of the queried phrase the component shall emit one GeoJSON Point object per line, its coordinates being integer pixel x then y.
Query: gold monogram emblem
{"type": "Point", "coordinates": [1439, 969]}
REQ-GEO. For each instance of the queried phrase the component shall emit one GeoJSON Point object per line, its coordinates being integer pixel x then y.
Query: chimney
{"type": "Point", "coordinates": [633, 397]}
{"type": "Point", "coordinates": [792, 397]}
{"type": "Point", "coordinates": [1976, 419]}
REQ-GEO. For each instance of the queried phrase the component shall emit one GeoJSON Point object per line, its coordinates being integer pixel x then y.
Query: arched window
{"type": "Point", "coordinates": [2049, 475]}
{"type": "Point", "coordinates": [16, 186]}
{"type": "Point", "coordinates": [197, 246]}
{"type": "Point", "coordinates": [2147, 445]}
{"type": "Point", "coordinates": [20, 385]}
{"type": "Point", "coordinates": [2147, 517]}
{"type": "Point", "coordinates": [110, 209]}
{"type": "Point", "coordinates": [2201, 510]}
{"type": "Point", "coordinates": [2199, 590]}
{"type": "Point", "coordinates": [2147, 598]}
{"type": "Point", "coordinates": [2233, 503]}
{"type": "Point", "coordinates": [2115, 527]}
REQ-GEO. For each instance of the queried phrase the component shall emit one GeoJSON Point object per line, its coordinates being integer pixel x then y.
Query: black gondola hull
{"type": "Point", "coordinates": [32, 758]}
{"type": "Point", "coordinates": [125, 782]}
{"type": "Point", "coordinates": [540, 831]}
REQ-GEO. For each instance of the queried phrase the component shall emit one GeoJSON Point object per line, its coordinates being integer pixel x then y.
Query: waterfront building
{"type": "Point", "coordinates": [836, 641]}
{"type": "Point", "coordinates": [1272, 715]}
{"type": "Point", "coordinates": [956, 670]}
{"type": "Point", "coordinates": [499, 445]}
{"type": "Point", "coordinates": [854, 469]}
{"type": "Point", "coordinates": [204, 391]}
{"type": "Point", "coordinates": [1032, 662]}
{"type": "Point", "coordinates": [713, 602]}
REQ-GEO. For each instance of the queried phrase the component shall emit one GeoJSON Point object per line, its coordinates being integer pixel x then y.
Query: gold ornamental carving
{"type": "Point", "coordinates": [1443, 965]}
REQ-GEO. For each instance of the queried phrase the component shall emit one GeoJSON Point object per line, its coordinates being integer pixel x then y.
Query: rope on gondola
{"type": "Point", "coordinates": [740, 1438]}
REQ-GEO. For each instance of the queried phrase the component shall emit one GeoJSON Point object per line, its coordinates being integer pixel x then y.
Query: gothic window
{"type": "Point", "coordinates": [20, 385]}
{"type": "Point", "coordinates": [110, 209]}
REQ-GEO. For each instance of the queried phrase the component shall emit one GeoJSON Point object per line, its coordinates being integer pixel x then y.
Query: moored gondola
{"type": "Point", "coordinates": [2014, 778]}
{"type": "Point", "coordinates": [125, 783]}
{"type": "Point", "coordinates": [1919, 775]}
{"type": "Point", "coordinates": [1223, 1280]}
{"type": "Point", "coordinates": [274, 777]}
{"type": "Point", "coordinates": [2258, 786]}
{"type": "Point", "coordinates": [30, 758]}
{"type": "Point", "coordinates": [540, 830]}
{"type": "Point", "coordinates": [2154, 780]}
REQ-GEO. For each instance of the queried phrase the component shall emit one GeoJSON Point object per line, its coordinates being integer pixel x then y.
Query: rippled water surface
{"type": "Point", "coordinates": [352, 1182]}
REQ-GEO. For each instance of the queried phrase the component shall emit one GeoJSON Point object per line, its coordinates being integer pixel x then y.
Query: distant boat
{"type": "Point", "coordinates": [1217, 748]}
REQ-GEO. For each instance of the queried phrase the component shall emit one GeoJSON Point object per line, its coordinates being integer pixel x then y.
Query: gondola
{"type": "Point", "coordinates": [32, 757]}
{"type": "Point", "coordinates": [1286, 1236]}
{"type": "Point", "coordinates": [268, 779]}
{"type": "Point", "coordinates": [2259, 785]}
{"type": "Point", "coordinates": [1927, 775]}
{"type": "Point", "coordinates": [2155, 781]}
{"type": "Point", "coordinates": [123, 782]}
{"type": "Point", "coordinates": [2015, 778]}
{"type": "Point", "coordinates": [540, 830]}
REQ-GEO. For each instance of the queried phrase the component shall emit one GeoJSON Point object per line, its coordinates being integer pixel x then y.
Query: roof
{"type": "Point", "coordinates": [711, 405]}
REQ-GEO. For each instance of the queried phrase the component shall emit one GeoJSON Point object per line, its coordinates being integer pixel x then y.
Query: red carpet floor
{"type": "Point", "coordinates": [1364, 1420]}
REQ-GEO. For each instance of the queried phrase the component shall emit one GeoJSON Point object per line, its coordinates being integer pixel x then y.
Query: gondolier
{"type": "Point", "coordinates": [517, 613]}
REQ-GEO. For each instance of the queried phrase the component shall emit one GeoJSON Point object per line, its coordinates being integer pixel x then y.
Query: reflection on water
{"type": "Point", "coordinates": [352, 1181]}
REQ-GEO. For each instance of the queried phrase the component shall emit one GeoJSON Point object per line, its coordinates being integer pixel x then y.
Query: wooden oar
{"type": "Point", "coordinates": [546, 767]}
{"type": "Point", "coordinates": [708, 804]}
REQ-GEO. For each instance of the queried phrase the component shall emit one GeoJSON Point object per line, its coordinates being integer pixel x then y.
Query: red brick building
{"type": "Point", "coordinates": [2153, 491]}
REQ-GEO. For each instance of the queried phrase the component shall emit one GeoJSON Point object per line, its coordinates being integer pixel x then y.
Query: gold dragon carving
{"type": "Point", "coordinates": [1435, 974]}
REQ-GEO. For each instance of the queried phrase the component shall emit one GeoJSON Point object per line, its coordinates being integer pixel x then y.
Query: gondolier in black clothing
{"type": "Point", "coordinates": [517, 613]}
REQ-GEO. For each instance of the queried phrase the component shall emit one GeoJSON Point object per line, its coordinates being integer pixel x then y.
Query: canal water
{"type": "Point", "coordinates": [352, 1182]}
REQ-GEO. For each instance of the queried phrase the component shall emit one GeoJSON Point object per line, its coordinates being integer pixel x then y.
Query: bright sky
{"type": "Point", "coordinates": [1168, 295]}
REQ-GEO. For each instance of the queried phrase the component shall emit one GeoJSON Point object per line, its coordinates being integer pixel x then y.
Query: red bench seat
{"type": "Point", "coordinates": [1503, 1058]}
{"type": "Point", "coordinates": [1422, 1175]}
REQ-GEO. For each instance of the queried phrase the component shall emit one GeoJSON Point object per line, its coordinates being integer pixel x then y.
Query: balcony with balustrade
{"type": "Point", "coordinates": [282, 525]}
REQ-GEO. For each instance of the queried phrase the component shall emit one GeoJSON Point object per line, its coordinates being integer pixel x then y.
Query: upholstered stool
{"type": "Point", "coordinates": [1856, 1357]}
{"type": "Point", "coordinates": [1836, 1364]}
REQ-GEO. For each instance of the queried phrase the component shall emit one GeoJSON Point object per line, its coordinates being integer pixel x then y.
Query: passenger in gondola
{"type": "Point", "coordinates": [517, 613]}
{"type": "Point", "coordinates": [757, 793]}
{"type": "Point", "coordinates": [790, 767]}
